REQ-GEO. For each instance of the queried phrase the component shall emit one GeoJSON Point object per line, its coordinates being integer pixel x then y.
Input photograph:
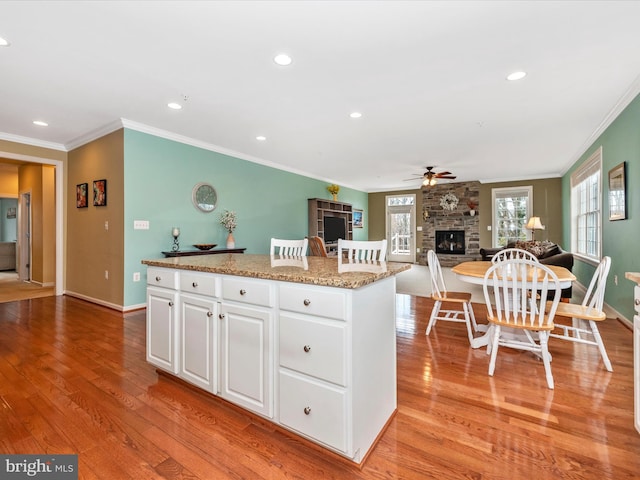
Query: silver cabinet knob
{"type": "Point", "coordinates": [243, 291]}
{"type": "Point", "coordinates": [306, 302]}
{"type": "Point", "coordinates": [158, 278]}
{"type": "Point", "coordinates": [171, 304]}
{"type": "Point", "coordinates": [637, 302]}
{"type": "Point", "coordinates": [221, 316]}
{"type": "Point", "coordinates": [307, 410]}
{"type": "Point", "coordinates": [195, 284]}
{"type": "Point", "coordinates": [209, 314]}
{"type": "Point", "coordinates": [307, 348]}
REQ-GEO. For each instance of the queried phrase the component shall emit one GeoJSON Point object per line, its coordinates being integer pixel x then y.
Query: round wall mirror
{"type": "Point", "coordinates": [204, 197]}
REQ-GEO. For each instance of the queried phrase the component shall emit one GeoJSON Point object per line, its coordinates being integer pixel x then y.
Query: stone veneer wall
{"type": "Point", "coordinates": [459, 219]}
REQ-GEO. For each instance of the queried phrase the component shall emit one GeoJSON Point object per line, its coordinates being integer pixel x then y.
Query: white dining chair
{"type": "Point", "coordinates": [297, 248]}
{"type": "Point", "coordinates": [584, 317]}
{"type": "Point", "coordinates": [518, 319]}
{"type": "Point", "coordinates": [362, 250]}
{"type": "Point", "coordinates": [509, 253]}
{"type": "Point", "coordinates": [460, 309]}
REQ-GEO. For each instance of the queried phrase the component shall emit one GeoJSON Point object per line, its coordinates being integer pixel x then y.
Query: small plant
{"type": "Point", "coordinates": [228, 220]}
{"type": "Point", "coordinates": [333, 189]}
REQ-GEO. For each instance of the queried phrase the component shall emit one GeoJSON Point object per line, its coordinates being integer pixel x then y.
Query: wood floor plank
{"type": "Point", "coordinates": [74, 379]}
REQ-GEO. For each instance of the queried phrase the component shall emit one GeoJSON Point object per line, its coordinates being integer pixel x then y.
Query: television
{"type": "Point", "coordinates": [334, 228]}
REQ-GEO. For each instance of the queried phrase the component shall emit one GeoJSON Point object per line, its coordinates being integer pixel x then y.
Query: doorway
{"type": "Point", "coordinates": [400, 228]}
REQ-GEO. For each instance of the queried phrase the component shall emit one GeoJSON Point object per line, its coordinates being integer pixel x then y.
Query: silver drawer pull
{"type": "Point", "coordinates": [158, 278]}
{"type": "Point", "coordinates": [221, 316]}
{"type": "Point", "coordinates": [307, 348]}
{"type": "Point", "coordinates": [171, 304]}
{"type": "Point", "coordinates": [209, 314]}
{"type": "Point", "coordinates": [637, 302]}
{"type": "Point", "coordinates": [306, 302]}
{"type": "Point", "coordinates": [195, 284]}
{"type": "Point", "coordinates": [243, 291]}
{"type": "Point", "coordinates": [307, 410]}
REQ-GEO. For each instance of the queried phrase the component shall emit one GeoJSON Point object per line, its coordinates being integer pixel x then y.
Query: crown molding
{"type": "Point", "coordinates": [624, 101]}
{"type": "Point", "coordinates": [94, 134]}
{"type": "Point", "coordinates": [32, 141]}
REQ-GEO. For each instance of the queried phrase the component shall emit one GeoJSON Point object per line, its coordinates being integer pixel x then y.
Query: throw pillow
{"type": "Point", "coordinates": [535, 247]}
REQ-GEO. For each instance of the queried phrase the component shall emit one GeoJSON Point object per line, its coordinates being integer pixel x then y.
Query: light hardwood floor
{"type": "Point", "coordinates": [12, 289]}
{"type": "Point", "coordinates": [73, 379]}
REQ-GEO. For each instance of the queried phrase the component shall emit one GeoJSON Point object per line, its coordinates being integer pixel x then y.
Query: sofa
{"type": "Point", "coordinates": [546, 252]}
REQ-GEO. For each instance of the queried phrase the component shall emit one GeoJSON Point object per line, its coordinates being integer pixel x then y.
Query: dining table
{"type": "Point", "coordinates": [474, 272]}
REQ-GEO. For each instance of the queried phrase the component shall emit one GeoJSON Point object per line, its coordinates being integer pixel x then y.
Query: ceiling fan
{"type": "Point", "coordinates": [430, 178]}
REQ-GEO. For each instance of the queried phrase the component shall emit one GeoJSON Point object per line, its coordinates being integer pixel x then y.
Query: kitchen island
{"type": "Point", "coordinates": [305, 342]}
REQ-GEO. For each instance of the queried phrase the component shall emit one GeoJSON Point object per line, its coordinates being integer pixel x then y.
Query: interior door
{"type": "Point", "coordinates": [400, 229]}
{"type": "Point", "coordinates": [23, 245]}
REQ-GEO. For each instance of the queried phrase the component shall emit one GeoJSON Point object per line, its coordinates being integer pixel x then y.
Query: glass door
{"type": "Point", "coordinates": [400, 228]}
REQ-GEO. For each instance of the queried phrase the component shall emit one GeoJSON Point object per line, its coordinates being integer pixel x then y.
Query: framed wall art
{"type": "Point", "coordinates": [99, 193]}
{"type": "Point", "coordinates": [358, 220]}
{"type": "Point", "coordinates": [82, 191]}
{"type": "Point", "coordinates": [11, 212]}
{"type": "Point", "coordinates": [617, 193]}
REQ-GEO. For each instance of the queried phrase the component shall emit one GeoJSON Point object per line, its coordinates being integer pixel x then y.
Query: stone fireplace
{"type": "Point", "coordinates": [436, 219]}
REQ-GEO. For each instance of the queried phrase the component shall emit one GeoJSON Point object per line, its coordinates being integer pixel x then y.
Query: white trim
{"type": "Point", "coordinates": [97, 301]}
{"type": "Point", "coordinates": [9, 137]}
{"type": "Point", "coordinates": [94, 135]}
{"type": "Point", "coordinates": [499, 193]}
{"type": "Point", "coordinates": [589, 167]}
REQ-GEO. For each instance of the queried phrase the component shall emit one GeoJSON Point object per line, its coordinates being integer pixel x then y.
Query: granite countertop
{"type": "Point", "coordinates": [323, 271]}
{"type": "Point", "coordinates": [633, 276]}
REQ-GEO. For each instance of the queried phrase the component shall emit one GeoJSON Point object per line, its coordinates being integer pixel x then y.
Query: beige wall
{"type": "Point", "coordinates": [31, 151]}
{"type": "Point", "coordinates": [377, 209]}
{"type": "Point", "coordinates": [92, 249]}
{"type": "Point", "coordinates": [8, 180]}
{"type": "Point", "coordinates": [547, 204]}
{"type": "Point", "coordinates": [39, 181]}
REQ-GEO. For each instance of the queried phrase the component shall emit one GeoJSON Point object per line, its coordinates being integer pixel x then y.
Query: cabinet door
{"type": "Point", "coordinates": [246, 357]}
{"type": "Point", "coordinates": [198, 341]}
{"type": "Point", "coordinates": [162, 345]}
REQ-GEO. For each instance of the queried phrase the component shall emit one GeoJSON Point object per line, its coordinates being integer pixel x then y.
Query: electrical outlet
{"type": "Point", "coordinates": [141, 224]}
{"type": "Point", "coordinates": [136, 276]}
{"type": "Point", "coordinates": [106, 274]}
{"type": "Point", "coordinates": [489, 228]}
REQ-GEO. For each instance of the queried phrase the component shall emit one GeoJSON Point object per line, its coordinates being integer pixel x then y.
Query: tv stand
{"type": "Point", "coordinates": [320, 208]}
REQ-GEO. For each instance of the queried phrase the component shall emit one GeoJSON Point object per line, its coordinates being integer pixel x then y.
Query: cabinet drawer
{"type": "Point", "coordinates": [245, 290]}
{"type": "Point", "coordinates": [201, 283]}
{"type": "Point", "coordinates": [162, 277]}
{"type": "Point", "coordinates": [636, 298]}
{"type": "Point", "coordinates": [314, 409]}
{"type": "Point", "coordinates": [319, 301]}
{"type": "Point", "coordinates": [315, 348]}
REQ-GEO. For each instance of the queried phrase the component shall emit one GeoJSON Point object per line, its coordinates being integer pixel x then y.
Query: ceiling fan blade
{"type": "Point", "coordinates": [440, 174]}
{"type": "Point", "coordinates": [451, 177]}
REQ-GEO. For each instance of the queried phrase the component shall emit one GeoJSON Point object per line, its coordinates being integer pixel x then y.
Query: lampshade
{"type": "Point", "coordinates": [534, 224]}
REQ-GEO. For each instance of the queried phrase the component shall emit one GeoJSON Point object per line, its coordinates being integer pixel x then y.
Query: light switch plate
{"type": "Point", "coordinates": [141, 224]}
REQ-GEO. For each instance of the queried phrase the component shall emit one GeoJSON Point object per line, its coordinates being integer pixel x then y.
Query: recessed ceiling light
{"type": "Point", "coordinates": [40, 123]}
{"type": "Point", "coordinates": [282, 59]}
{"type": "Point", "coordinates": [516, 76]}
{"type": "Point", "coordinates": [355, 114]}
{"type": "Point", "coordinates": [4, 43]}
{"type": "Point", "coordinates": [261, 138]}
{"type": "Point", "coordinates": [174, 106]}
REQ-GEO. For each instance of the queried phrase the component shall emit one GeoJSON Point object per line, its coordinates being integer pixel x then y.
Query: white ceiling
{"type": "Point", "coordinates": [428, 77]}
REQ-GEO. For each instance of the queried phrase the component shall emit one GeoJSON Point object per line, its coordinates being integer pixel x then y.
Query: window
{"type": "Point", "coordinates": [511, 210]}
{"type": "Point", "coordinates": [586, 206]}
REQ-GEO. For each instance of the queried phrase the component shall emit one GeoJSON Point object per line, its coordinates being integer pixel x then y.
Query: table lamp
{"type": "Point", "coordinates": [534, 224]}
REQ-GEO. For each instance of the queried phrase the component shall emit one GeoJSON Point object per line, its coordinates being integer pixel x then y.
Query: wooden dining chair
{"type": "Point", "coordinates": [509, 253]}
{"type": "Point", "coordinates": [584, 317]}
{"type": "Point", "coordinates": [362, 250]}
{"type": "Point", "coordinates": [460, 309]}
{"type": "Point", "coordinates": [317, 246]}
{"type": "Point", "coordinates": [297, 248]}
{"type": "Point", "coordinates": [518, 319]}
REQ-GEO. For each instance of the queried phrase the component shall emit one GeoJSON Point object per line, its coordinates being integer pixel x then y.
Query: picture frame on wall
{"type": "Point", "coordinates": [99, 193]}
{"type": "Point", "coordinates": [82, 192]}
{"type": "Point", "coordinates": [11, 212]}
{"type": "Point", "coordinates": [358, 218]}
{"type": "Point", "coordinates": [617, 193]}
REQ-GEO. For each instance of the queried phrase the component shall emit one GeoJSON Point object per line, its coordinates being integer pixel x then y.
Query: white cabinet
{"type": "Point", "coordinates": [162, 307]}
{"type": "Point", "coordinates": [198, 341]}
{"type": "Point", "coordinates": [636, 357]}
{"type": "Point", "coordinates": [246, 344]}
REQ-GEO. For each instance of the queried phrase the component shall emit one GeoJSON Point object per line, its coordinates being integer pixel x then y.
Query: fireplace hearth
{"type": "Point", "coordinates": [450, 242]}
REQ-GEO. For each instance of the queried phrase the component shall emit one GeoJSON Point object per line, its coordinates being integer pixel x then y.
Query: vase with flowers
{"type": "Point", "coordinates": [472, 207]}
{"type": "Point", "coordinates": [228, 220]}
{"type": "Point", "coordinates": [333, 190]}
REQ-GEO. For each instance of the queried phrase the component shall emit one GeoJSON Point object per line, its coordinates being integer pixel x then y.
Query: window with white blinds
{"type": "Point", "coordinates": [586, 207]}
{"type": "Point", "coordinates": [511, 210]}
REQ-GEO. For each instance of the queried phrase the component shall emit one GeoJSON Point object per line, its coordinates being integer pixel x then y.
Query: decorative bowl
{"type": "Point", "coordinates": [204, 246]}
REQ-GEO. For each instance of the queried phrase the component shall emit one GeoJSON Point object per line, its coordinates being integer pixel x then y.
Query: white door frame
{"type": "Point", "coordinates": [23, 265]}
{"type": "Point", "coordinates": [59, 196]}
{"type": "Point", "coordinates": [411, 258]}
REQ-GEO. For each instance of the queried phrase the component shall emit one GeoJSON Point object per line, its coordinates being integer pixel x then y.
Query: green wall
{"type": "Point", "coordinates": [620, 143]}
{"type": "Point", "coordinates": [159, 177]}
